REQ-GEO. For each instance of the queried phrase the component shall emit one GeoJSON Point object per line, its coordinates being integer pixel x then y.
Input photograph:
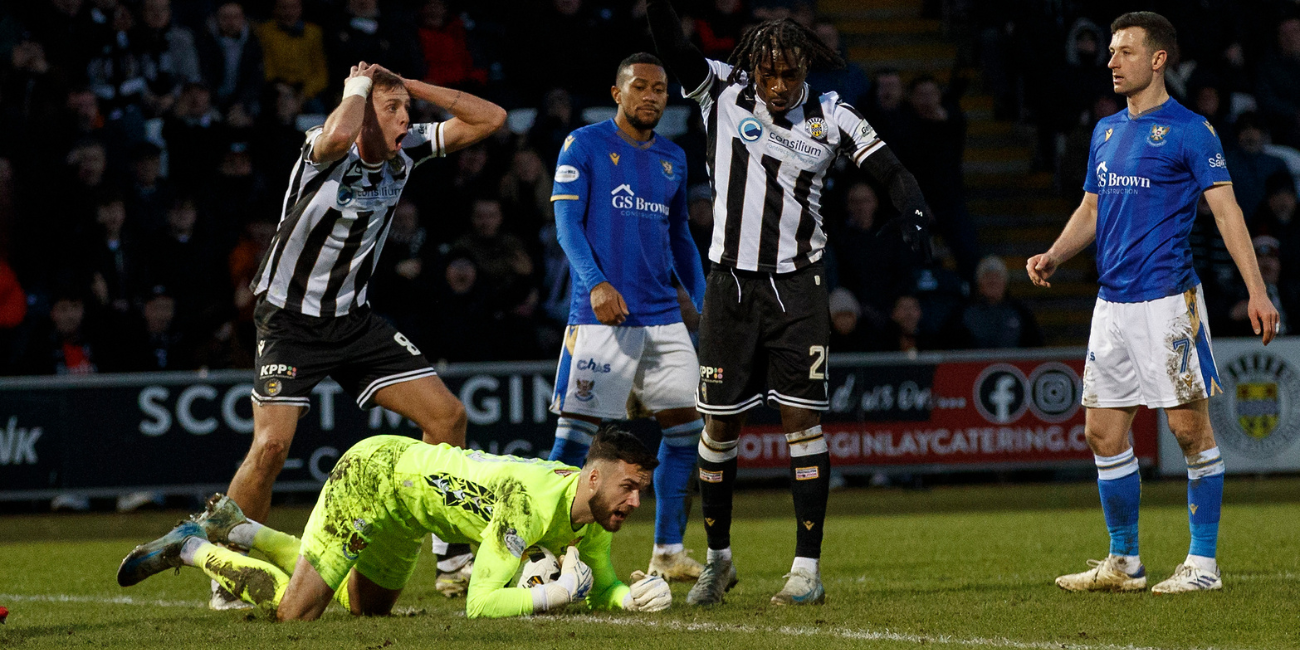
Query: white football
{"type": "Point", "coordinates": [540, 568]}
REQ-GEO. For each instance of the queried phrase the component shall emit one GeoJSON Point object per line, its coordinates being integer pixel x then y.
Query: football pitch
{"type": "Point", "coordinates": [951, 567]}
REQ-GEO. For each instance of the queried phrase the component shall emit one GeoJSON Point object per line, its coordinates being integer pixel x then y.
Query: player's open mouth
{"type": "Point", "coordinates": [399, 138]}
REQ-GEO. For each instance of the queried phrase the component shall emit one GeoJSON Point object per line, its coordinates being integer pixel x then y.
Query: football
{"type": "Point", "coordinates": [540, 567]}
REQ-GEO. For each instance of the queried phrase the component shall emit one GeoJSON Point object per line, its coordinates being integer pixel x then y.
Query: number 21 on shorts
{"type": "Point", "coordinates": [815, 371]}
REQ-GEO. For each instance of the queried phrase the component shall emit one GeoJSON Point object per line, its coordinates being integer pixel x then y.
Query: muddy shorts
{"type": "Point", "coordinates": [1154, 353]}
{"type": "Point", "coordinates": [359, 520]}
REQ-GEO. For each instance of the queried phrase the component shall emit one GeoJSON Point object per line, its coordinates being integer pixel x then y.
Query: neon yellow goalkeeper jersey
{"type": "Point", "coordinates": [502, 504]}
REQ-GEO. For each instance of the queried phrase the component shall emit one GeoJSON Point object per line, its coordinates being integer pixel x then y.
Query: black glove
{"type": "Point", "coordinates": [915, 230]}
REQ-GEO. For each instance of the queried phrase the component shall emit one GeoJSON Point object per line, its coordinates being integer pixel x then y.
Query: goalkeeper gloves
{"type": "Point", "coordinates": [648, 595]}
{"type": "Point", "coordinates": [573, 585]}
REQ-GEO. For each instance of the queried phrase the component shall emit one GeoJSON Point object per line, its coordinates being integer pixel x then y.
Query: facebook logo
{"type": "Point", "coordinates": [1000, 394]}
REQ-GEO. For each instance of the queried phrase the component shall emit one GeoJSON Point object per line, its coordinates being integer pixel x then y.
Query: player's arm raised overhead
{"type": "Point", "coordinates": [1079, 231]}
{"type": "Point", "coordinates": [473, 118]}
{"type": "Point", "coordinates": [1232, 225]}
{"type": "Point", "coordinates": [344, 123]}
{"type": "Point", "coordinates": [682, 59]}
{"type": "Point", "coordinates": [686, 258]}
{"type": "Point", "coordinates": [569, 195]}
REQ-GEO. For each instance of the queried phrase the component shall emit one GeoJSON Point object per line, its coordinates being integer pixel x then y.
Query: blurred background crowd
{"type": "Point", "coordinates": [146, 147]}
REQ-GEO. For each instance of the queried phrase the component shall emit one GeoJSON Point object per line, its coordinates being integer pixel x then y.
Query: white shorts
{"type": "Point", "coordinates": [601, 365]}
{"type": "Point", "coordinates": [1154, 353]}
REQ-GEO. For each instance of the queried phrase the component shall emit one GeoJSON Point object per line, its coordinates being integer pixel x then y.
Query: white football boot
{"type": "Point", "coordinates": [1105, 575]}
{"type": "Point", "coordinates": [1189, 578]}
{"type": "Point", "coordinates": [675, 567]}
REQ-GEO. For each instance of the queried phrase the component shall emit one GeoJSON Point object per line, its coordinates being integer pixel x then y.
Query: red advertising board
{"type": "Point", "coordinates": [952, 415]}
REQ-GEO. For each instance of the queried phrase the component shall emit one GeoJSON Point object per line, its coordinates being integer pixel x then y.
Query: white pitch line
{"type": "Point", "coordinates": [857, 635]}
{"type": "Point", "coordinates": [103, 600]}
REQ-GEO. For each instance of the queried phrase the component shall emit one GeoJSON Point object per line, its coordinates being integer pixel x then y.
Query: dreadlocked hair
{"type": "Point", "coordinates": [783, 36]}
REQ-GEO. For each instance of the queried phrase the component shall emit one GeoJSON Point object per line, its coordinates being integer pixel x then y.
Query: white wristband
{"type": "Point", "coordinates": [359, 86]}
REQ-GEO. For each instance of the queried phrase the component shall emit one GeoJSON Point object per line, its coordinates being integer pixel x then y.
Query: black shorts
{"type": "Point", "coordinates": [764, 335]}
{"type": "Point", "coordinates": [360, 350]}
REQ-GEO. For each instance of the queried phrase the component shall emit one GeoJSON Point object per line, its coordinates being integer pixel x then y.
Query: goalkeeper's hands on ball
{"type": "Point", "coordinates": [648, 594]}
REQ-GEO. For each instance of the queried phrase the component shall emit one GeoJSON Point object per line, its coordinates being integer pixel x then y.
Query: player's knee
{"type": "Point", "coordinates": [1188, 434]}
{"type": "Point", "coordinates": [269, 455]}
{"type": "Point", "coordinates": [446, 423]}
{"type": "Point", "coordinates": [1103, 442]}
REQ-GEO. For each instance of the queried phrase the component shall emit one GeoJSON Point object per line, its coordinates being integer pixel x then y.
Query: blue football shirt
{"type": "Point", "coordinates": [1148, 174]}
{"type": "Point", "coordinates": [620, 213]}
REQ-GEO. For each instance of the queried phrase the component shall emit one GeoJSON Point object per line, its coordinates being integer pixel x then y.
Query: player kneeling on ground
{"type": "Point", "coordinates": [388, 492]}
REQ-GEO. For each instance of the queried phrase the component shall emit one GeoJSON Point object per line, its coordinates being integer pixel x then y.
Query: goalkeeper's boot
{"type": "Point", "coordinates": [224, 601]}
{"type": "Point", "coordinates": [802, 587]}
{"type": "Point", "coordinates": [675, 567]}
{"type": "Point", "coordinates": [157, 556]}
{"type": "Point", "coordinates": [717, 578]}
{"type": "Point", "coordinates": [454, 584]}
{"type": "Point", "coordinates": [218, 518]}
{"type": "Point", "coordinates": [1109, 574]}
{"type": "Point", "coordinates": [1189, 578]}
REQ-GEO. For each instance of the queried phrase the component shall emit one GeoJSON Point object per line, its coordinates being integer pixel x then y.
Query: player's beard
{"type": "Point", "coordinates": [642, 124]}
{"type": "Point", "coordinates": [603, 512]}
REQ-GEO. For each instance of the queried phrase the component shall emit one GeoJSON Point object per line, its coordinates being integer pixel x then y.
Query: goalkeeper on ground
{"type": "Point", "coordinates": [388, 492]}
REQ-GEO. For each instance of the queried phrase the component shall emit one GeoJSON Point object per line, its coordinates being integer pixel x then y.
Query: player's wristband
{"type": "Point", "coordinates": [358, 86]}
{"type": "Point", "coordinates": [549, 596]}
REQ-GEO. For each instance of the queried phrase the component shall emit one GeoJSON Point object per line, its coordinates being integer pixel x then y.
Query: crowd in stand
{"type": "Point", "coordinates": [147, 145]}
{"type": "Point", "coordinates": [1239, 66]}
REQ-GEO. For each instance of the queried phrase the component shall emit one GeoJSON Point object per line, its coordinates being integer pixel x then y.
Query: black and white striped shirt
{"type": "Point", "coordinates": [333, 224]}
{"type": "Point", "coordinates": [767, 171]}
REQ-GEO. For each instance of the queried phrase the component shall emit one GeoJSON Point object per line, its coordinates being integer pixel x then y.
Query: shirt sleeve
{"type": "Point", "coordinates": [1090, 175]}
{"type": "Point", "coordinates": [424, 141]}
{"type": "Point", "coordinates": [513, 527]}
{"type": "Point", "coordinates": [719, 72]}
{"type": "Point", "coordinates": [313, 134]}
{"type": "Point", "coordinates": [858, 139]}
{"type": "Point", "coordinates": [569, 194]}
{"type": "Point", "coordinates": [607, 591]}
{"type": "Point", "coordinates": [1203, 155]}
{"type": "Point", "coordinates": [686, 258]}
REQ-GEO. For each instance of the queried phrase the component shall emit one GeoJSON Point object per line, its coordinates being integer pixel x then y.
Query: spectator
{"type": "Point", "coordinates": [525, 193]}
{"type": "Point", "coordinates": [150, 195]}
{"type": "Point", "coordinates": [363, 33]}
{"type": "Point", "coordinates": [243, 262]}
{"type": "Point", "coordinates": [460, 319]}
{"type": "Point", "coordinates": [848, 333]}
{"type": "Point", "coordinates": [1270, 268]}
{"type": "Point", "coordinates": [194, 135]}
{"type": "Point", "coordinates": [937, 142]}
{"type": "Point", "coordinates": [851, 82]}
{"type": "Point", "coordinates": [903, 332]}
{"type": "Point", "coordinates": [501, 260]}
{"type": "Point", "coordinates": [60, 345]}
{"type": "Point", "coordinates": [185, 264]}
{"type": "Point", "coordinates": [1280, 219]}
{"type": "Point", "coordinates": [994, 320]}
{"type": "Point", "coordinates": [872, 262]}
{"type": "Point", "coordinates": [294, 51]}
{"type": "Point", "coordinates": [168, 57]}
{"type": "Point", "coordinates": [887, 112]}
{"type": "Point", "coordinates": [699, 207]}
{"type": "Point", "coordinates": [1249, 166]}
{"type": "Point", "coordinates": [1073, 166]}
{"type": "Point", "coordinates": [231, 60]}
{"type": "Point", "coordinates": [444, 43]}
{"type": "Point", "coordinates": [13, 309]}
{"type": "Point", "coordinates": [399, 285]}
{"type": "Point", "coordinates": [1213, 266]}
{"type": "Point", "coordinates": [88, 163]}
{"type": "Point", "coordinates": [719, 29]}
{"type": "Point", "coordinates": [1278, 84]}
{"type": "Point", "coordinates": [236, 193]}
{"type": "Point", "coordinates": [116, 72]}
{"type": "Point", "coordinates": [157, 343]}
{"type": "Point", "coordinates": [114, 260]}
{"type": "Point", "coordinates": [278, 141]}
{"type": "Point", "coordinates": [570, 32]}
{"type": "Point", "coordinates": [555, 121]}
{"type": "Point", "coordinates": [452, 193]}
{"type": "Point", "coordinates": [31, 91]}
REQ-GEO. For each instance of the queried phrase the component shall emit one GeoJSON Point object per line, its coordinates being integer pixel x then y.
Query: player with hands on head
{"type": "Point", "coordinates": [621, 218]}
{"type": "Point", "coordinates": [312, 316]}
{"type": "Point", "coordinates": [363, 538]}
{"type": "Point", "coordinates": [765, 327]}
{"type": "Point", "coordinates": [1150, 342]}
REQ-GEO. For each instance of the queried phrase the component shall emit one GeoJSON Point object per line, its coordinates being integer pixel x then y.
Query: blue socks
{"type": "Point", "coordinates": [1204, 501]}
{"type": "Point", "coordinates": [677, 452]}
{"type": "Point", "coordinates": [572, 440]}
{"type": "Point", "coordinates": [1121, 491]}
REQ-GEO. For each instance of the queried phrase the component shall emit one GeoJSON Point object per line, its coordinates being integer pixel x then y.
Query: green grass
{"type": "Point", "coordinates": [954, 567]}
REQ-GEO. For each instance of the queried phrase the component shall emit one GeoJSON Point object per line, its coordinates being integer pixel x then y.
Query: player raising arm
{"type": "Point", "coordinates": [312, 316]}
{"type": "Point", "coordinates": [386, 493]}
{"type": "Point", "coordinates": [765, 327]}
{"type": "Point", "coordinates": [1150, 342]}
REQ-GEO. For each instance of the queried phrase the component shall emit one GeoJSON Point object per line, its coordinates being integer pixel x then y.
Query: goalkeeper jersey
{"type": "Point", "coordinates": [502, 504]}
